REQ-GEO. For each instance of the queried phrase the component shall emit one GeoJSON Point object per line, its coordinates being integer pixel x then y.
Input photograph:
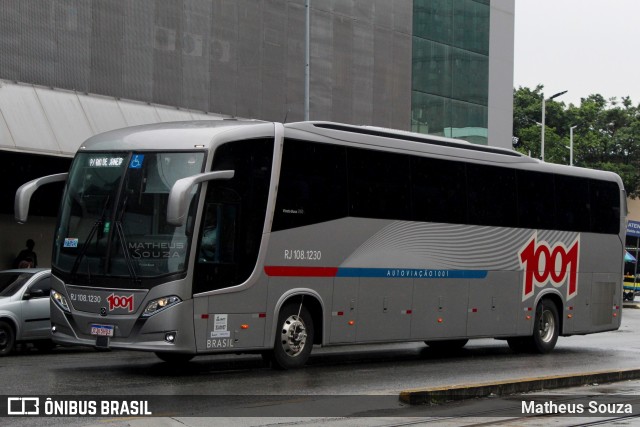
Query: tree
{"type": "Point", "coordinates": [607, 135]}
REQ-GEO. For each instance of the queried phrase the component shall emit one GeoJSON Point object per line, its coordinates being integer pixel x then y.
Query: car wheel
{"type": "Point", "coordinates": [7, 338]}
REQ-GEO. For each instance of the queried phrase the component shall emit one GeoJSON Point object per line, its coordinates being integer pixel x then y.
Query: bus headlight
{"type": "Point", "coordinates": [60, 300]}
{"type": "Point", "coordinates": [157, 305]}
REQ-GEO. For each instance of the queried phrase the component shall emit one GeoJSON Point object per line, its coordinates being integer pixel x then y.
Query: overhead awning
{"type": "Point", "coordinates": [42, 120]}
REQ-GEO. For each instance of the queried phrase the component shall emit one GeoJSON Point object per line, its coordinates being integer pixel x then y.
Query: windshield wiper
{"type": "Point", "coordinates": [125, 251]}
{"type": "Point", "coordinates": [123, 243]}
{"type": "Point", "coordinates": [88, 240]}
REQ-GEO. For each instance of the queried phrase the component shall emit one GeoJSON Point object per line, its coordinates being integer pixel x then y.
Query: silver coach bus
{"type": "Point", "coordinates": [241, 236]}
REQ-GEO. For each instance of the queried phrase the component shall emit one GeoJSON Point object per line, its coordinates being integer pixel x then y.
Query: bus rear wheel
{"type": "Point", "coordinates": [546, 329]}
{"type": "Point", "coordinates": [519, 344]}
{"type": "Point", "coordinates": [447, 345]}
{"type": "Point", "coordinates": [294, 337]}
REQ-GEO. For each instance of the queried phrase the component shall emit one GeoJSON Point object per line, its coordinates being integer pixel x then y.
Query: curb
{"type": "Point", "coordinates": [631, 304]}
{"type": "Point", "coordinates": [433, 395]}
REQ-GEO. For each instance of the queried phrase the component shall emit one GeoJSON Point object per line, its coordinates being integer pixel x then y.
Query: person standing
{"type": "Point", "coordinates": [27, 255]}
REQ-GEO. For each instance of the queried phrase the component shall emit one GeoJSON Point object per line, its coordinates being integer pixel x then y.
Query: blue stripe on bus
{"type": "Point", "coordinates": [411, 273]}
{"type": "Point", "coordinates": [390, 273]}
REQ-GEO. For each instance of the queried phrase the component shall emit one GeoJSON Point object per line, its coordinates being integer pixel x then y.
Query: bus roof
{"type": "Point", "coordinates": [168, 135]}
{"type": "Point", "coordinates": [203, 133]}
{"type": "Point", "coordinates": [364, 133]}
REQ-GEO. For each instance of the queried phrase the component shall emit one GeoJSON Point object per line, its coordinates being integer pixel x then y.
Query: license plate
{"type": "Point", "coordinates": [102, 330]}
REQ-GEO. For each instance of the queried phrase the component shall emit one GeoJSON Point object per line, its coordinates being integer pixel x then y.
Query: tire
{"type": "Point", "coordinates": [174, 358]}
{"type": "Point", "coordinates": [7, 338]}
{"type": "Point", "coordinates": [519, 344]}
{"type": "Point", "coordinates": [294, 337]}
{"type": "Point", "coordinates": [546, 329]}
{"type": "Point", "coordinates": [447, 345]}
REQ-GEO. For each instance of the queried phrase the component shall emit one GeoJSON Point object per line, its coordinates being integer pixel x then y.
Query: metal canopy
{"type": "Point", "coordinates": [47, 121]}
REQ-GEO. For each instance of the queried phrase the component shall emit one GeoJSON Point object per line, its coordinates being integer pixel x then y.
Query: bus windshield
{"type": "Point", "coordinates": [113, 215]}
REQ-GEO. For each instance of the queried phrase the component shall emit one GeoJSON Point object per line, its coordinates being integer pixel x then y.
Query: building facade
{"type": "Point", "coordinates": [72, 68]}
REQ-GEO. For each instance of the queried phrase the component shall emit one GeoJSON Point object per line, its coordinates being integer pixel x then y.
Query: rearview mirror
{"type": "Point", "coordinates": [180, 194]}
{"type": "Point", "coordinates": [24, 193]}
{"type": "Point", "coordinates": [34, 293]}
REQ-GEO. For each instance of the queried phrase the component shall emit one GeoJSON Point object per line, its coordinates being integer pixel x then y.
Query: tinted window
{"type": "Point", "coordinates": [44, 285]}
{"type": "Point", "coordinates": [383, 185]}
{"type": "Point", "coordinates": [572, 203]}
{"type": "Point", "coordinates": [11, 282]}
{"type": "Point", "coordinates": [234, 215]}
{"type": "Point", "coordinates": [604, 197]}
{"type": "Point", "coordinates": [491, 195]}
{"type": "Point", "coordinates": [379, 184]}
{"type": "Point", "coordinates": [313, 185]}
{"type": "Point", "coordinates": [439, 190]}
{"type": "Point", "coordinates": [536, 200]}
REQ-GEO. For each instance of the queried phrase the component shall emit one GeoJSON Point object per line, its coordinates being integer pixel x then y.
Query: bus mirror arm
{"type": "Point", "coordinates": [24, 193]}
{"type": "Point", "coordinates": [180, 194]}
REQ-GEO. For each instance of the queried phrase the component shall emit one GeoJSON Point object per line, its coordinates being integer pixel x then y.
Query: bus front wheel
{"type": "Point", "coordinates": [174, 358]}
{"type": "Point", "coordinates": [294, 337]}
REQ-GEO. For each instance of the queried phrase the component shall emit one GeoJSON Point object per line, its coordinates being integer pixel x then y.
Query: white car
{"type": "Point", "coordinates": [24, 308]}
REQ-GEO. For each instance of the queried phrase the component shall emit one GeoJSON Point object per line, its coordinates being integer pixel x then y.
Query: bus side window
{"type": "Point", "coordinates": [217, 242]}
{"type": "Point", "coordinates": [233, 217]}
{"type": "Point", "coordinates": [209, 239]}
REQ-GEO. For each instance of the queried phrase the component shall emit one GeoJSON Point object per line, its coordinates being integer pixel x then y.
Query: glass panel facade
{"type": "Point", "coordinates": [450, 68]}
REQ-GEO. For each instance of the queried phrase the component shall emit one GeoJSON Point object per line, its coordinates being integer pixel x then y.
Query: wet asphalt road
{"type": "Point", "coordinates": [370, 369]}
{"type": "Point", "coordinates": [356, 370]}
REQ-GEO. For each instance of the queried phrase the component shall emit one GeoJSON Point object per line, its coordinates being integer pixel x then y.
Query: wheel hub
{"type": "Point", "coordinates": [547, 326]}
{"type": "Point", "coordinates": [293, 335]}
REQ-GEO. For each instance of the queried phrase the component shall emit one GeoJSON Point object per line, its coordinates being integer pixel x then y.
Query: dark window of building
{"type": "Point", "coordinates": [450, 68]}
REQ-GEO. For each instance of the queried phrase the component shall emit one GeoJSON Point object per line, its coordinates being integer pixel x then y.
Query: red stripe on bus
{"type": "Point", "coordinates": [283, 271]}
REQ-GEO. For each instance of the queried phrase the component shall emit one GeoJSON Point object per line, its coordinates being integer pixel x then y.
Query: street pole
{"type": "Point", "coordinates": [542, 136]}
{"type": "Point", "coordinates": [543, 118]}
{"type": "Point", "coordinates": [307, 37]}
{"type": "Point", "coordinates": [571, 145]}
